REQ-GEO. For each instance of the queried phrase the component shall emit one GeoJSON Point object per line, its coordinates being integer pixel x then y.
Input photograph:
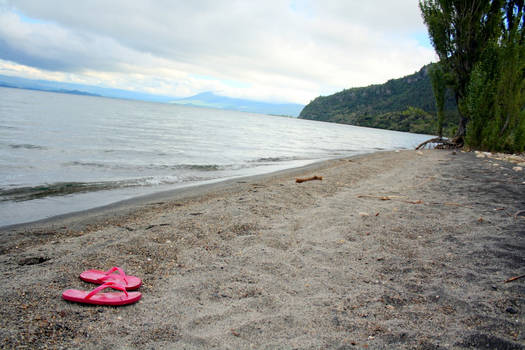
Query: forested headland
{"type": "Point", "coordinates": [404, 104]}
{"type": "Point", "coordinates": [475, 94]}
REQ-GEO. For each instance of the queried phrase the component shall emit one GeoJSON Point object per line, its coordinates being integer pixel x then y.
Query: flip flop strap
{"type": "Point", "coordinates": [113, 285]}
{"type": "Point", "coordinates": [113, 269]}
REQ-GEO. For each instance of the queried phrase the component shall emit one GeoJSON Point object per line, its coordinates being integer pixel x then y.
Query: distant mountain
{"type": "Point", "coordinates": [206, 99]}
{"type": "Point", "coordinates": [209, 99]}
{"type": "Point", "coordinates": [77, 89]}
{"type": "Point", "coordinates": [62, 91]}
{"type": "Point", "coordinates": [404, 104]}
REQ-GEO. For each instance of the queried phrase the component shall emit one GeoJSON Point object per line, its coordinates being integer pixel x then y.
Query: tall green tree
{"type": "Point", "coordinates": [460, 30]}
{"type": "Point", "coordinates": [496, 92]}
{"type": "Point", "coordinates": [439, 87]}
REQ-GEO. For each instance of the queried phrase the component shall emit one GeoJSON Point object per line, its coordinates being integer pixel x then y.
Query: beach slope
{"type": "Point", "coordinates": [393, 250]}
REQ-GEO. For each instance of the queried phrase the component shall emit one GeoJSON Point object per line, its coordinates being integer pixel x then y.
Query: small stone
{"type": "Point", "coordinates": [511, 310]}
{"type": "Point", "coordinates": [517, 168]}
{"type": "Point", "coordinates": [363, 214]}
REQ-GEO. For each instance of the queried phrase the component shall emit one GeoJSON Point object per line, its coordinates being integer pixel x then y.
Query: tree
{"type": "Point", "coordinates": [496, 93]}
{"type": "Point", "coordinates": [439, 87]}
{"type": "Point", "coordinates": [460, 30]}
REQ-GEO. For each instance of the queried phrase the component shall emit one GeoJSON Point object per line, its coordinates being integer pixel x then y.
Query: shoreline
{"type": "Point", "coordinates": [404, 250]}
{"type": "Point", "coordinates": [127, 206]}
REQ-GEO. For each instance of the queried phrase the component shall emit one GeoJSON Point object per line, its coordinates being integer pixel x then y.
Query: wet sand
{"type": "Point", "coordinates": [394, 250]}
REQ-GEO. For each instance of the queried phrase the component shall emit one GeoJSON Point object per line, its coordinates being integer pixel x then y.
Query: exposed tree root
{"type": "Point", "coordinates": [441, 143]}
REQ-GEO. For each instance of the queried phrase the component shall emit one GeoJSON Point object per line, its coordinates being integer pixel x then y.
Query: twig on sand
{"type": "Point", "coordinates": [514, 278]}
{"type": "Point", "coordinates": [299, 180]}
{"type": "Point", "coordinates": [383, 198]}
{"type": "Point", "coordinates": [388, 198]}
{"type": "Point", "coordinates": [419, 201]}
{"type": "Point", "coordinates": [519, 213]}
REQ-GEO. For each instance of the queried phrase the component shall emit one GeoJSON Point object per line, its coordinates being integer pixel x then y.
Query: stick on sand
{"type": "Point", "coordinates": [299, 180]}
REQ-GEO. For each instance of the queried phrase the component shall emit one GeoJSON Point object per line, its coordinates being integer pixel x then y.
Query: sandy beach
{"type": "Point", "coordinates": [393, 250]}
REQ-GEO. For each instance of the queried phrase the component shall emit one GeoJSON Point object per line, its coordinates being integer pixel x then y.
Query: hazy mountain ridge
{"type": "Point", "coordinates": [404, 104]}
{"type": "Point", "coordinates": [209, 99]}
{"type": "Point", "coordinates": [78, 89]}
{"type": "Point", "coordinates": [205, 99]}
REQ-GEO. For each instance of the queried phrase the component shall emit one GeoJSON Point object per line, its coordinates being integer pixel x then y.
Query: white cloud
{"type": "Point", "coordinates": [272, 50]}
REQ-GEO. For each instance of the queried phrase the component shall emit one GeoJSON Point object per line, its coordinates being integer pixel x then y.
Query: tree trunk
{"type": "Point", "coordinates": [459, 139]}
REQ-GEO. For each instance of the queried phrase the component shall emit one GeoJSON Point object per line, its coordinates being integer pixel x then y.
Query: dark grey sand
{"type": "Point", "coordinates": [267, 263]}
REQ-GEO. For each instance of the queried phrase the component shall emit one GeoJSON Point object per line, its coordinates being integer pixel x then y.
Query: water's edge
{"type": "Point", "coordinates": [79, 219]}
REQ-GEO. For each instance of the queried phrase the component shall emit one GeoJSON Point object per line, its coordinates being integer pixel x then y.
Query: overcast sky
{"type": "Point", "coordinates": [271, 50]}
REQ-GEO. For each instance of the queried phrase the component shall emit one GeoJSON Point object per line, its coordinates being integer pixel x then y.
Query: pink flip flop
{"type": "Point", "coordinates": [112, 298]}
{"type": "Point", "coordinates": [99, 277]}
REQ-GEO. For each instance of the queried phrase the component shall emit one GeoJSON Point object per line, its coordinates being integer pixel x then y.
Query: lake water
{"type": "Point", "coordinates": [61, 153]}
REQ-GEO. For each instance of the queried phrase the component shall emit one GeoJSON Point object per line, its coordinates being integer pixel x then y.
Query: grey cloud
{"type": "Point", "coordinates": [298, 42]}
{"type": "Point", "coordinates": [52, 47]}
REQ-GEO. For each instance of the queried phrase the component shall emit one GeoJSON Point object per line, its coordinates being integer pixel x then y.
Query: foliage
{"type": "Point", "coordinates": [459, 31]}
{"type": "Point", "coordinates": [412, 120]}
{"type": "Point", "coordinates": [480, 44]}
{"type": "Point", "coordinates": [439, 87]}
{"type": "Point", "coordinates": [392, 106]}
{"type": "Point", "coordinates": [496, 93]}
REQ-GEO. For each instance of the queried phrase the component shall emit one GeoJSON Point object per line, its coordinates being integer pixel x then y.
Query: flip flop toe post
{"type": "Point", "coordinates": [110, 298]}
{"type": "Point", "coordinates": [115, 274]}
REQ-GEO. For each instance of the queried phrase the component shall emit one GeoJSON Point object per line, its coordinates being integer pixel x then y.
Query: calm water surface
{"type": "Point", "coordinates": [61, 153]}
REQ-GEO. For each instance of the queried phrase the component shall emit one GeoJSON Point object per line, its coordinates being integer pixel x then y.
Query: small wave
{"type": "Point", "coordinates": [58, 189]}
{"type": "Point", "coordinates": [51, 190]}
{"type": "Point", "coordinates": [201, 167]}
{"type": "Point", "coordinates": [198, 167]}
{"type": "Point", "coordinates": [26, 146]}
{"type": "Point", "coordinates": [275, 159]}
{"type": "Point", "coordinates": [87, 164]}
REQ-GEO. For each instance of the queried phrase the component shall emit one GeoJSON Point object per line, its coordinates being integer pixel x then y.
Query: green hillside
{"type": "Point", "coordinates": [404, 104]}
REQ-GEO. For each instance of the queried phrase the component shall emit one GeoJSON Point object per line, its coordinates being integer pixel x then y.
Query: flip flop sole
{"type": "Point", "coordinates": [112, 298]}
{"type": "Point", "coordinates": [100, 277]}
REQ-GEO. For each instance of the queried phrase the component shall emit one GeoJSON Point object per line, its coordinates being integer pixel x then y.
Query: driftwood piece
{"type": "Point", "coordinates": [388, 198]}
{"type": "Point", "coordinates": [519, 213]}
{"type": "Point", "coordinates": [514, 278]}
{"type": "Point", "coordinates": [300, 180]}
{"type": "Point", "coordinates": [441, 143]}
{"type": "Point", "coordinates": [383, 198]}
{"type": "Point", "coordinates": [402, 199]}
